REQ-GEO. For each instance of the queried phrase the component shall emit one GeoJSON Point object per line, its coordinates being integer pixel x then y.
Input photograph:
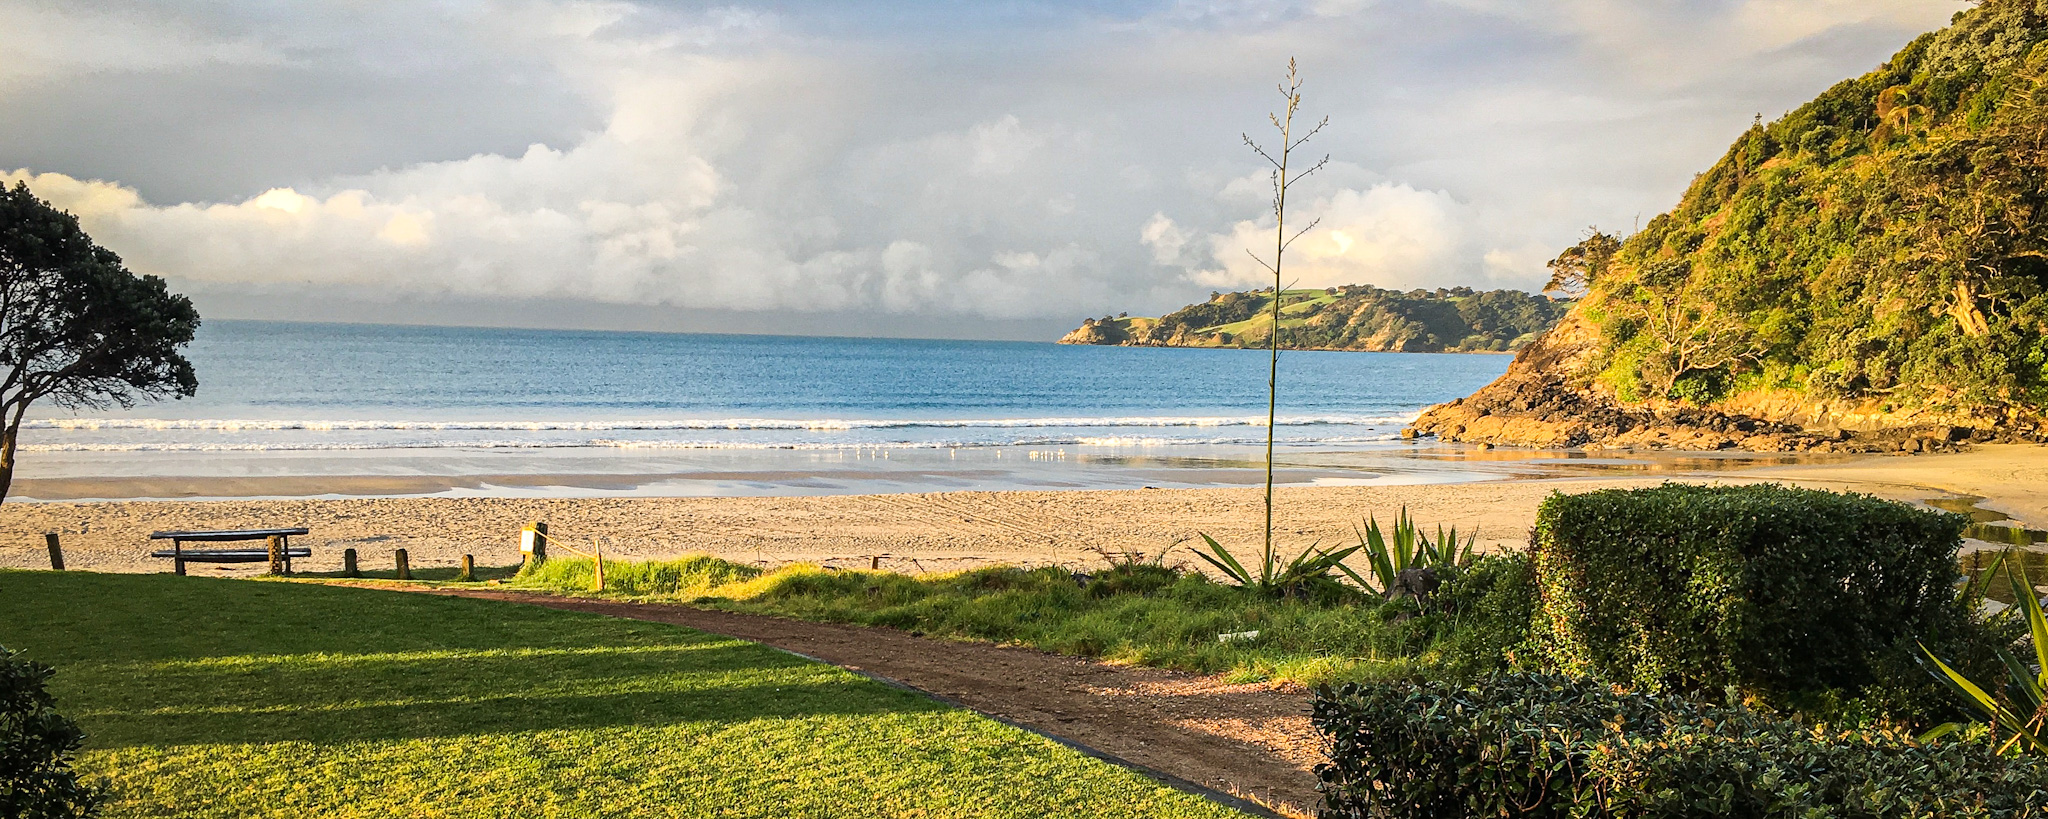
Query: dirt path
{"type": "Point", "coordinates": [1253, 741]}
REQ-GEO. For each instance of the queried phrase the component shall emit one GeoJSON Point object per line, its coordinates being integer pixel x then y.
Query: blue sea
{"type": "Point", "coordinates": [341, 399]}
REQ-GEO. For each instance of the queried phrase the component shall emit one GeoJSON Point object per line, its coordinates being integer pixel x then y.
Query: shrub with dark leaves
{"type": "Point", "coordinates": [1532, 745]}
{"type": "Point", "coordinates": [1781, 593]}
{"type": "Point", "coordinates": [36, 744]}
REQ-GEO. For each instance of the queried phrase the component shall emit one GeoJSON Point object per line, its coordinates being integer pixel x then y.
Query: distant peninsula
{"type": "Point", "coordinates": [1352, 317]}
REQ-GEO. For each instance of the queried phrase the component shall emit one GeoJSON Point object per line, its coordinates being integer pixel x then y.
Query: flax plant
{"type": "Point", "coordinates": [1388, 554]}
{"type": "Point", "coordinates": [2020, 717]}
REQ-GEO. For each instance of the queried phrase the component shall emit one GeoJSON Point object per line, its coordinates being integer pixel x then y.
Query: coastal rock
{"type": "Point", "coordinates": [1548, 399]}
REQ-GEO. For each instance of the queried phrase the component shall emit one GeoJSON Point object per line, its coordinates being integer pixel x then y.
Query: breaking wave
{"type": "Point", "coordinates": [815, 424]}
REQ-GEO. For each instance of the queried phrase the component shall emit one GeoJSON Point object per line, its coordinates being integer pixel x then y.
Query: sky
{"type": "Point", "coordinates": [995, 169]}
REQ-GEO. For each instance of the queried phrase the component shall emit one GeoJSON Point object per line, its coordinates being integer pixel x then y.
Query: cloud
{"type": "Point", "coordinates": [1390, 235]}
{"type": "Point", "coordinates": [1002, 161]}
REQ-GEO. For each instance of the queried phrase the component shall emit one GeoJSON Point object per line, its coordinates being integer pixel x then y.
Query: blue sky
{"type": "Point", "coordinates": [923, 168]}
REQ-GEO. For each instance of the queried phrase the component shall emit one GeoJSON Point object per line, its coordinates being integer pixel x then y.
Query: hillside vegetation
{"type": "Point", "coordinates": [1873, 261]}
{"type": "Point", "coordinates": [1352, 317]}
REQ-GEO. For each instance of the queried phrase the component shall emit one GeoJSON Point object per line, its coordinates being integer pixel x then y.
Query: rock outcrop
{"type": "Point", "coordinates": [1547, 399]}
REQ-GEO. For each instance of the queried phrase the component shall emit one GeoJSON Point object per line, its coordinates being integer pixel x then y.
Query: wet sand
{"type": "Point", "coordinates": [925, 531]}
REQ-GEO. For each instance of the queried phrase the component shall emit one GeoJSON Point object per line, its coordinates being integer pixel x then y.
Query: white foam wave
{"type": "Point", "coordinates": [817, 424]}
{"type": "Point", "coordinates": [331, 446]}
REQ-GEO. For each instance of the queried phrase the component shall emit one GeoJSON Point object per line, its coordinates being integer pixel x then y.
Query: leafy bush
{"type": "Point", "coordinates": [1486, 607]}
{"type": "Point", "coordinates": [1778, 592]}
{"type": "Point", "coordinates": [1536, 745]}
{"type": "Point", "coordinates": [36, 743]}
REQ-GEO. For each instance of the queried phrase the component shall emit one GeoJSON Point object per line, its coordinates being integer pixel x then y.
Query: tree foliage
{"type": "Point", "coordinates": [76, 328]}
{"type": "Point", "coordinates": [1884, 241]}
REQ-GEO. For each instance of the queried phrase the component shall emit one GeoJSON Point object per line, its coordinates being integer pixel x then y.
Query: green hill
{"type": "Point", "coordinates": [1352, 317]}
{"type": "Point", "coordinates": [1873, 261]}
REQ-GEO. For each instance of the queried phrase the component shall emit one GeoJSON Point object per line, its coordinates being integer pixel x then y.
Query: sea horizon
{"type": "Point", "coordinates": [312, 399]}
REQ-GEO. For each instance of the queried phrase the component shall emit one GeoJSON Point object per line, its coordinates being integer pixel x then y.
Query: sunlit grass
{"type": "Point", "coordinates": [229, 698]}
{"type": "Point", "coordinates": [1157, 618]}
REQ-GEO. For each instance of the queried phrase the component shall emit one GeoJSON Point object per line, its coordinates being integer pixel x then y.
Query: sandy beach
{"type": "Point", "coordinates": [932, 531]}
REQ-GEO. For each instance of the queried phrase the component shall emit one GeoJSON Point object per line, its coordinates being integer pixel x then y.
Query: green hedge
{"type": "Point", "coordinates": [36, 747]}
{"type": "Point", "coordinates": [1779, 593]}
{"type": "Point", "coordinates": [1536, 746]}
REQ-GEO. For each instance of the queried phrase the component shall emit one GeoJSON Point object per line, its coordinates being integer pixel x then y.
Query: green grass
{"type": "Point", "coordinates": [1147, 616]}
{"type": "Point", "coordinates": [1292, 313]}
{"type": "Point", "coordinates": [233, 698]}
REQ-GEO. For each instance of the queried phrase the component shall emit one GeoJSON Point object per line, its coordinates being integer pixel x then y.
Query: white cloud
{"type": "Point", "coordinates": [966, 160]}
{"type": "Point", "coordinates": [1387, 235]}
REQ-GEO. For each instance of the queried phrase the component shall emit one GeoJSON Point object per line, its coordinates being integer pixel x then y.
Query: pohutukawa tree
{"type": "Point", "coordinates": [76, 328]}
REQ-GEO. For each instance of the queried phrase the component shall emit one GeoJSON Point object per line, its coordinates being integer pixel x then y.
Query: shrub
{"type": "Point", "coordinates": [1537, 745]}
{"type": "Point", "coordinates": [1485, 608]}
{"type": "Point", "coordinates": [1780, 593]}
{"type": "Point", "coordinates": [36, 744]}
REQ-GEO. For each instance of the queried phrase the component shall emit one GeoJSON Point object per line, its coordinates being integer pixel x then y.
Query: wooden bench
{"type": "Point", "coordinates": [179, 556]}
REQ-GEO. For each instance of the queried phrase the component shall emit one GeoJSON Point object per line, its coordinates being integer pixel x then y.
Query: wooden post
{"type": "Point", "coordinates": [468, 569]}
{"type": "Point", "coordinates": [348, 564]}
{"type": "Point", "coordinates": [56, 551]}
{"type": "Point", "coordinates": [874, 563]}
{"type": "Point", "coordinates": [597, 560]}
{"type": "Point", "coordinates": [404, 565]}
{"type": "Point", "coordinates": [533, 545]}
{"type": "Point", "coordinates": [276, 545]}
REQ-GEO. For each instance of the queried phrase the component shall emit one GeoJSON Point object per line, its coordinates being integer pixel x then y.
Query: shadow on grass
{"type": "Point", "coordinates": [495, 712]}
{"type": "Point", "coordinates": [436, 574]}
{"type": "Point", "coordinates": [162, 660]}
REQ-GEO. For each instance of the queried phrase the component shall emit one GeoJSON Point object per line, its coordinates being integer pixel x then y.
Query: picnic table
{"type": "Point", "coordinates": [179, 556]}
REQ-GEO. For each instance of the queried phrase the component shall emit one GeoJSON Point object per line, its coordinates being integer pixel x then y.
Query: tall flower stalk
{"type": "Point", "coordinates": [1283, 122]}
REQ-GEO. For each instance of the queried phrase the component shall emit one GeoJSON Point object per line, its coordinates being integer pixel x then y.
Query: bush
{"type": "Point", "coordinates": [1536, 745]}
{"type": "Point", "coordinates": [1486, 607]}
{"type": "Point", "coordinates": [1780, 593]}
{"type": "Point", "coordinates": [36, 743]}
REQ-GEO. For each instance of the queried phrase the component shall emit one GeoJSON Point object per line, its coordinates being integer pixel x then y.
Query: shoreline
{"type": "Point", "coordinates": [943, 531]}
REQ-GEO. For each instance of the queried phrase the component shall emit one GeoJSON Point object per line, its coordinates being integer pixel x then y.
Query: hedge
{"type": "Point", "coordinates": [36, 744]}
{"type": "Point", "coordinates": [1533, 745]}
{"type": "Point", "coordinates": [1773, 591]}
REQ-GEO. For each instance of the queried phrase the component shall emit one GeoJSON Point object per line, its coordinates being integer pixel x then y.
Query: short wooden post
{"type": "Point", "coordinates": [874, 563]}
{"type": "Point", "coordinates": [404, 565]}
{"type": "Point", "coordinates": [468, 569]}
{"type": "Point", "coordinates": [276, 545]}
{"type": "Point", "coordinates": [533, 545]}
{"type": "Point", "coordinates": [56, 551]}
{"type": "Point", "coordinates": [348, 564]}
{"type": "Point", "coordinates": [597, 561]}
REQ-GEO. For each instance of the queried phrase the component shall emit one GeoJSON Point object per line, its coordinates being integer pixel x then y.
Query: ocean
{"type": "Point", "coordinates": [280, 398]}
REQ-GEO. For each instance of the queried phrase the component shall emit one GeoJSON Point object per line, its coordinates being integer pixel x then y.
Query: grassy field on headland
{"type": "Point", "coordinates": [219, 698]}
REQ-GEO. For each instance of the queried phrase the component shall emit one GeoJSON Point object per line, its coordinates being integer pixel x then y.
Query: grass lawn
{"type": "Point", "coordinates": [210, 698]}
{"type": "Point", "coordinates": [1145, 615]}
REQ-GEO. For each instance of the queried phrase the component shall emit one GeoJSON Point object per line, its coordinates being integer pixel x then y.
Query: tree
{"type": "Point", "coordinates": [1575, 270]}
{"type": "Point", "coordinates": [1290, 89]}
{"type": "Point", "coordinates": [76, 327]}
